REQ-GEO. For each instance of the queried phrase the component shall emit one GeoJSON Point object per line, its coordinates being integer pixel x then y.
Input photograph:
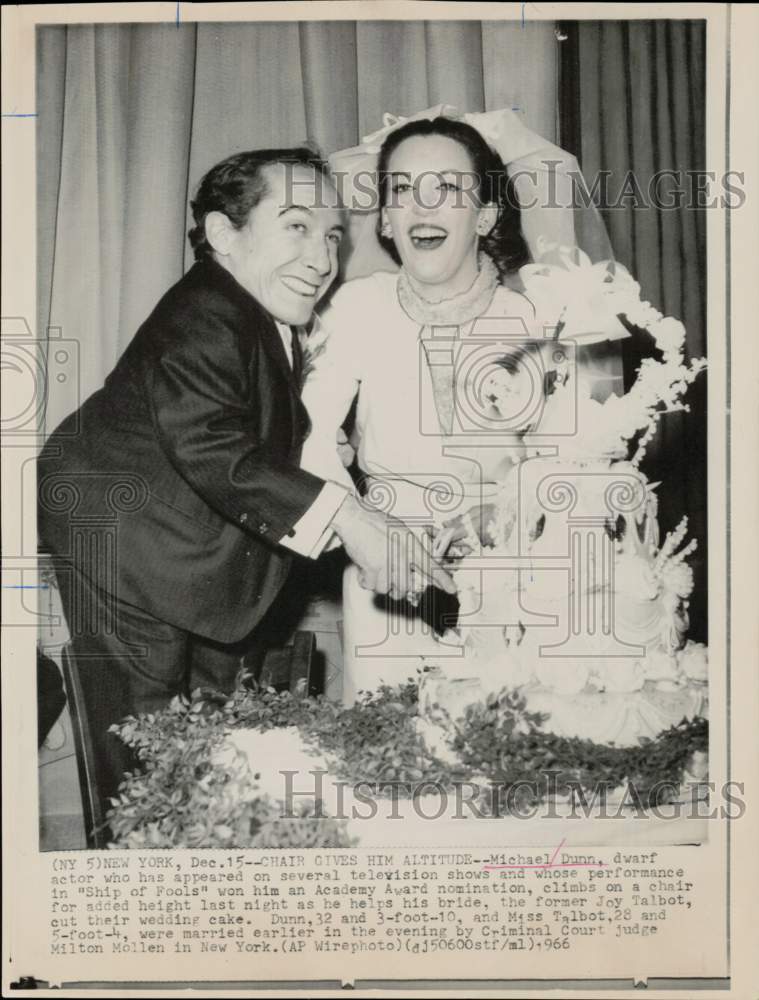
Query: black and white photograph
{"type": "Point", "coordinates": [464, 347]}
{"type": "Point", "coordinates": [379, 446]}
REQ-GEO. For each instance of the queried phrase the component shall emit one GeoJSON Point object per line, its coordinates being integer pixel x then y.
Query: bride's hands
{"type": "Point", "coordinates": [465, 533]}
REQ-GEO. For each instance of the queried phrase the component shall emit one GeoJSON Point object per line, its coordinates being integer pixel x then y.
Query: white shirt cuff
{"type": "Point", "coordinates": [313, 532]}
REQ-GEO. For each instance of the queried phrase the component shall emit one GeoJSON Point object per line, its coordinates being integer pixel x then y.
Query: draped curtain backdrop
{"type": "Point", "coordinates": [132, 116]}
{"type": "Point", "coordinates": [631, 98]}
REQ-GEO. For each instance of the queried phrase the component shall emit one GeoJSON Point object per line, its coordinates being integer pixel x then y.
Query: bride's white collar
{"type": "Point", "coordinates": [458, 309]}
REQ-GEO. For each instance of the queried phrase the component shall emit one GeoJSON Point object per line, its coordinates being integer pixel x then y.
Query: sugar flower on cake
{"type": "Point", "coordinates": [669, 334]}
{"type": "Point", "coordinates": [623, 675]}
{"type": "Point", "coordinates": [573, 296]}
{"type": "Point", "coordinates": [670, 568]}
{"type": "Point", "coordinates": [635, 579]}
{"type": "Point", "coordinates": [694, 661]}
{"type": "Point", "coordinates": [661, 665]}
{"type": "Point", "coordinates": [562, 675]}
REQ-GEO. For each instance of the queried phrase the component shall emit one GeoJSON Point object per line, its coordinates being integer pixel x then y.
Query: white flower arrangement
{"type": "Point", "coordinates": [693, 660]}
{"type": "Point", "coordinates": [312, 345]}
{"type": "Point", "coordinates": [586, 303]}
{"type": "Point", "coordinates": [594, 297]}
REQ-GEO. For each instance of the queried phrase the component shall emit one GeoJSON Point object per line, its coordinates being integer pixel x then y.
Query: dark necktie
{"type": "Point", "coordinates": [297, 354]}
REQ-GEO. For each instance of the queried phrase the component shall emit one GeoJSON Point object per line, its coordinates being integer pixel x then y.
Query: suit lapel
{"type": "Point", "coordinates": [270, 339]}
{"type": "Point", "coordinates": [261, 321]}
{"type": "Point", "coordinates": [272, 343]}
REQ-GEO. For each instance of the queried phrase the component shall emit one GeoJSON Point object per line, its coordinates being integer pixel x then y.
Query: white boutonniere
{"type": "Point", "coordinates": [313, 344]}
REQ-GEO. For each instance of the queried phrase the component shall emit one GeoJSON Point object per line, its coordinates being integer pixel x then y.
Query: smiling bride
{"type": "Point", "coordinates": [425, 350]}
{"type": "Point", "coordinates": [489, 414]}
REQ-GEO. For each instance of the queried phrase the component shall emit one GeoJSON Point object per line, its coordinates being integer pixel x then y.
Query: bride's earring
{"type": "Point", "coordinates": [488, 218]}
{"type": "Point", "coordinates": [386, 230]}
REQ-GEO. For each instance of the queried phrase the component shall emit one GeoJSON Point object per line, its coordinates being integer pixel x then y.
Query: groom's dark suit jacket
{"type": "Point", "coordinates": [191, 451]}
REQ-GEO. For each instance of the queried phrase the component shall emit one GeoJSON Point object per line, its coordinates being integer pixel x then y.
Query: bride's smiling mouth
{"type": "Point", "coordinates": [426, 237]}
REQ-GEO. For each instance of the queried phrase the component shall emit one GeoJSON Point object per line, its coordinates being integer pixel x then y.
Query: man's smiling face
{"type": "Point", "coordinates": [286, 255]}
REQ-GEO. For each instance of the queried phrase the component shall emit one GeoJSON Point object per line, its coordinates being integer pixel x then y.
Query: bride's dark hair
{"type": "Point", "coordinates": [504, 244]}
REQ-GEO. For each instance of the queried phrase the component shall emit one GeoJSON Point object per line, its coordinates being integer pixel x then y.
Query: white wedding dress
{"type": "Point", "coordinates": [429, 452]}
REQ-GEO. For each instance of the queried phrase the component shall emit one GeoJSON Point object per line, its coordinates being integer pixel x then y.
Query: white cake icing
{"type": "Point", "coordinates": [574, 601]}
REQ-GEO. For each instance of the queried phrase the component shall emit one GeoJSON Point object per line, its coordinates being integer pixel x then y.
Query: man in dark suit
{"type": "Point", "coordinates": [172, 499]}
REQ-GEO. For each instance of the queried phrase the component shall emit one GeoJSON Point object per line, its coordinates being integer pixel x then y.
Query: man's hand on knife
{"type": "Point", "coordinates": [392, 559]}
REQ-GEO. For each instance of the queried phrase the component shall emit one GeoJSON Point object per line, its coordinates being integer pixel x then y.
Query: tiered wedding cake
{"type": "Point", "coordinates": [573, 600]}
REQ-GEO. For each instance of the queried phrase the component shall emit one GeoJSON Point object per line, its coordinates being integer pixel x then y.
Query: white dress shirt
{"type": "Point", "coordinates": [313, 532]}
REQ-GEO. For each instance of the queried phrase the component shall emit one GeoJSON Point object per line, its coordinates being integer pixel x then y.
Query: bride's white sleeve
{"type": "Point", "coordinates": [332, 382]}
